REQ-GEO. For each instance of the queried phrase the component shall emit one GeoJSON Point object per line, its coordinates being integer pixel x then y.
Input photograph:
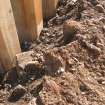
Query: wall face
{"type": "Point", "coordinates": [38, 17]}
{"type": "Point", "coordinates": [9, 43]}
{"type": "Point", "coordinates": [19, 15]}
{"type": "Point", "coordinates": [34, 18]}
{"type": "Point", "coordinates": [49, 7]}
{"type": "Point", "coordinates": [28, 18]}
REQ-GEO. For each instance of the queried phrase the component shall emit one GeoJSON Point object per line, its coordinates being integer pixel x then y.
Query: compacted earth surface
{"type": "Point", "coordinates": [62, 69]}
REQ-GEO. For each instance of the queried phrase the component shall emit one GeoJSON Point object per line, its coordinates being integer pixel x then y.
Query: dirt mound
{"type": "Point", "coordinates": [59, 72]}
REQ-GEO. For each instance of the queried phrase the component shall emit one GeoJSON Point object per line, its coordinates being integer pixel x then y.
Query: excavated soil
{"type": "Point", "coordinates": [66, 73]}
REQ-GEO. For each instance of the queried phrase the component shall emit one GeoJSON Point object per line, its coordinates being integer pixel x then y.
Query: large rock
{"type": "Point", "coordinates": [11, 77]}
{"type": "Point", "coordinates": [17, 93]}
{"type": "Point", "coordinates": [70, 29]}
{"type": "Point", "coordinates": [29, 63]}
{"type": "Point", "coordinates": [100, 8]}
{"type": "Point", "coordinates": [23, 59]}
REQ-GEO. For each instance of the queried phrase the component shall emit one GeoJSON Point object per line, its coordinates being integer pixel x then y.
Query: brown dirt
{"type": "Point", "coordinates": [74, 72]}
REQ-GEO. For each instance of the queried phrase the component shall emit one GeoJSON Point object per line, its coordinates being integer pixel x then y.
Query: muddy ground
{"type": "Point", "coordinates": [66, 72]}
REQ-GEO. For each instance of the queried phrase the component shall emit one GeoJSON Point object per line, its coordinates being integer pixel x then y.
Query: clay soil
{"type": "Point", "coordinates": [69, 73]}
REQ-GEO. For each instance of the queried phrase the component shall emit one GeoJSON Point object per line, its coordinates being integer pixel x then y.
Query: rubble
{"type": "Point", "coordinates": [92, 48]}
{"type": "Point", "coordinates": [50, 93]}
{"type": "Point", "coordinates": [32, 102]}
{"type": "Point", "coordinates": [51, 85]}
{"type": "Point", "coordinates": [54, 63]}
